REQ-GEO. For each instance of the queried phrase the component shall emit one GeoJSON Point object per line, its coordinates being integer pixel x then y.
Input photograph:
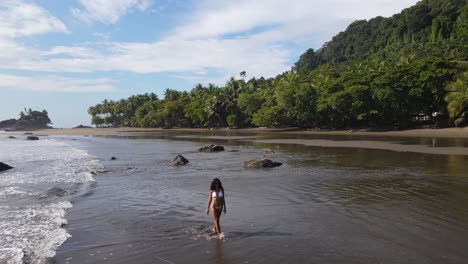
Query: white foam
{"type": "Point", "coordinates": [48, 160]}
{"type": "Point", "coordinates": [9, 191]}
{"type": "Point", "coordinates": [30, 233]}
{"type": "Point", "coordinates": [11, 255]}
{"type": "Point", "coordinates": [36, 231]}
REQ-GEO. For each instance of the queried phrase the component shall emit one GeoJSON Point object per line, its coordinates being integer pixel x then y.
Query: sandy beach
{"type": "Point", "coordinates": [424, 132]}
{"type": "Point", "coordinates": [361, 138]}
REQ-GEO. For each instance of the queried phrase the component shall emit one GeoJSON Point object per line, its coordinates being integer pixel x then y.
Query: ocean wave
{"type": "Point", "coordinates": [31, 228]}
{"type": "Point", "coordinates": [33, 233]}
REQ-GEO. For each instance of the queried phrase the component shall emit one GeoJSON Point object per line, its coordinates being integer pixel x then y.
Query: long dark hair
{"type": "Point", "coordinates": [213, 184]}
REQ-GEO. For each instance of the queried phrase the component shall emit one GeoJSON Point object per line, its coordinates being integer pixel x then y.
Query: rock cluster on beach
{"type": "Point", "coordinates": [32, 138]}
{"type": "Point", "coordinates": [255, 163]}
{"type": "Point", "coordinates": [179, 160]}
{"type": "Point", "coordinates": [261, 163]}
{"type": "Point", "coordinates": [211, 148]}
{"type": "Point", "coordinates": [4, 166]}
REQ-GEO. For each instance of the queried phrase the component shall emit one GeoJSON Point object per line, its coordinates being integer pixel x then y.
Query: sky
{"type": "Point", "coordinates": [65, 56]}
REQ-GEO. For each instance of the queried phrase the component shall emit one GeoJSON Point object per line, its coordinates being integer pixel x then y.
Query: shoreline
{"type": "Point", "coordinates": [384, 140]}
{"type": "Point", "coordinates": [421, 132]}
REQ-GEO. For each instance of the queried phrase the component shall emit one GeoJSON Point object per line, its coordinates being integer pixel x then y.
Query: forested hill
{"type": "Point", "coordinates": [29, 120]}
{"type": "Point", "coordinates": [429, 28]}
{"type": "Point", "coordinates": [407, 70]}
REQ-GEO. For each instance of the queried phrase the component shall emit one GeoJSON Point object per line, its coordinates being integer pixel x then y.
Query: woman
{"type": "Point", "coordinates": [216, 203]}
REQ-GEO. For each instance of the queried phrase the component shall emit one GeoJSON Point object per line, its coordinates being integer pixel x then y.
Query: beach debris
{"type": "Point", "coordinates": [179, 160]}
{"type": "Point", "coordinates": [32, 138]}
{"type": "Point", "coordinates": [211, 148]}
{"type": "Point", "coordinates": [4, 166]}
{"type": "Point", "coordinates": [268, 151]}
{"type": "Point", "coordinates": [261, 163]}
{"type": "Point", "coordinates": [12, 137]}
{"type": "Point", "coordinates": [113, 158]}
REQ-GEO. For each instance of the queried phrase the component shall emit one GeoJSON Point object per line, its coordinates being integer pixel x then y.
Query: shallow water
{"type": "Point", "coordinates": [324, 205]}
{"type": "Point", "coordinates": [35, 194]}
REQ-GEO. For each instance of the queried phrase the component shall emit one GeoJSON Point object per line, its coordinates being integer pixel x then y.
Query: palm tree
{"type": "Point", "coordinates": [457, 96]}
{"type": "Point", "coordinates": [243, 74]}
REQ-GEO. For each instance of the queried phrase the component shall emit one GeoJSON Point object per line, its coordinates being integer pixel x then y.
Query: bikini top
{"type": "Point", "coordinates": [220, 194]}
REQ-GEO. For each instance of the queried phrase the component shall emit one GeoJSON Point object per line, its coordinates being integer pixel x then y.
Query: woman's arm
{"type": "Point", "coordinates": [224, 201]}
{"type": "Point", "coordinates": [209, 202]}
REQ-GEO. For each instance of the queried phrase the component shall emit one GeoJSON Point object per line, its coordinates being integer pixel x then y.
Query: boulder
{"type": "Point", "coordinates": [268, 151]}
{"type": "Point", "coordinates": [179, 160]}
{"type": "Point", "coordinates": [56, 191]}
{"type": "Point", "coordinates": [4, 166]}
{"type": "Point", "coordinates": [12, 137]}
{"type": "Point", "coordinates": [32, 138]}
{"type": "Point", "coordinates": [261, 163]}
{"type": "Point", "coordinates": [113, 158]}
{"type": "Point", "coordinates": [211, 148]}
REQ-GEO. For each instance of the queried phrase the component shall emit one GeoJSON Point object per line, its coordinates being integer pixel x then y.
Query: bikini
{"type": "Point", "coordinates": [217, 195]}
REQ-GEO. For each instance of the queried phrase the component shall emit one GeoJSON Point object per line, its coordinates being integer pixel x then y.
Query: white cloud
{"type": "Point", "coordinates": [54, 83]}
{"type": "Point", "coordinates": [107, 11]}
{"type": "Point", "coordinates": [225, 37]}
{"type": "Point", "coordinates": [19, 19]}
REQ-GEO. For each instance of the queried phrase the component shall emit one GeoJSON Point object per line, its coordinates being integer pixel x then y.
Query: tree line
{"type": "Point", "coordinates": [378, 73]}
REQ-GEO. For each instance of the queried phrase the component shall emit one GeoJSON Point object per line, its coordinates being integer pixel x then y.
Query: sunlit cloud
{"type": "Point", "coordinates": [53, 83]}
{"type": "Point", "coordinates": [107, 11]}
{"type": "Point", "coordinates": [251, 36]}
{"type": "Point", "coordinates": [19, 19]}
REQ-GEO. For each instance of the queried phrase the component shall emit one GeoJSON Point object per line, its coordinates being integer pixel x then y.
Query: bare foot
{"type": "Point", "coordinates": [220, 236]}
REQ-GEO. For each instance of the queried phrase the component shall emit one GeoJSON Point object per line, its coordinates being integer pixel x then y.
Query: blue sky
{"type": "Point", "coordinates": [64, 56]}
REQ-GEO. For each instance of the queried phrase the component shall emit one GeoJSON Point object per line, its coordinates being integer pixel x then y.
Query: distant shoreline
{"type": "Point", "coordinates": [423, 132]}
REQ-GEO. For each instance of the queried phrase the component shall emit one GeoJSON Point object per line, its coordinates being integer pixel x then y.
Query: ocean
{"type": "Point", "coordinates": [35, 195]}
{"type": "Point", "coordinates": [66, 201]}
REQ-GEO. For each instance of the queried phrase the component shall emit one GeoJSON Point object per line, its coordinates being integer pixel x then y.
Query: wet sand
{"type": "Point", "coordinates": [425, 132]}
{"type": "Point", "coordinates": [361, 139]}
{"type": "Point", "coordinates": [369, 144]}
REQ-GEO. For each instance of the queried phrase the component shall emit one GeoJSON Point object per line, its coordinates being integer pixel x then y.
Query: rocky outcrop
{"type": "Point", "coordinates": [9, 124]}
{"type": "Point", "coordinates": [81, 126]}
{"type": "Point", "coordinates": [32, 138]}
{"type": "Point", "coordinates": [113, 158]}
{"type": "Point", "coordinates": [211, 148]}
{"type": "Point", "coordinates": [4, 166]}
{"type": "Point", "coordinates": [268, 151]}
{"type": "Point", "coordinates": [12, 137]}
{"type": "Point", "coordinates": [261, 163]}
{"type": "Point", "coordinates": [179, 160]}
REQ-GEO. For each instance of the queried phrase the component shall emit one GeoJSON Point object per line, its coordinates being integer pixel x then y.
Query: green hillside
{"type": "Point", "coordinates": [429, 28]}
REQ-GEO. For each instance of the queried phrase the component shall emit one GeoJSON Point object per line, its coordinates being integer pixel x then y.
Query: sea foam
{"type": "Point", "coordinates": [31, 226]}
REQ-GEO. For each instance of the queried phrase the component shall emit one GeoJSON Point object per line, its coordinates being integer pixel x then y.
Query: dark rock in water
{"type": "Point", "coordinates": [268, 151]}
{"type": "Point", "coordinates": [81, 126]}
{"type": "Point", "coordinates": [211, 148]}
{"type": "Point", "coordinates": [113, 158]}
{"type": "Point", "coordinates": [4, 166]}
{"type": "Point", "coordinates": [56, 191]}
{"type": "Point", "coordinates": [179, 160]}
{"type": "Point", "coordinates": [261, 163]}
{"type": "Point", "coordinates": [12, 137]}
{"type": "Point", "coordinates": [32, 138]}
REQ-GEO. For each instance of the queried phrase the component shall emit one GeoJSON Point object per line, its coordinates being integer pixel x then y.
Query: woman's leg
{"type": "Point", "coordinates": [216, 215]}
